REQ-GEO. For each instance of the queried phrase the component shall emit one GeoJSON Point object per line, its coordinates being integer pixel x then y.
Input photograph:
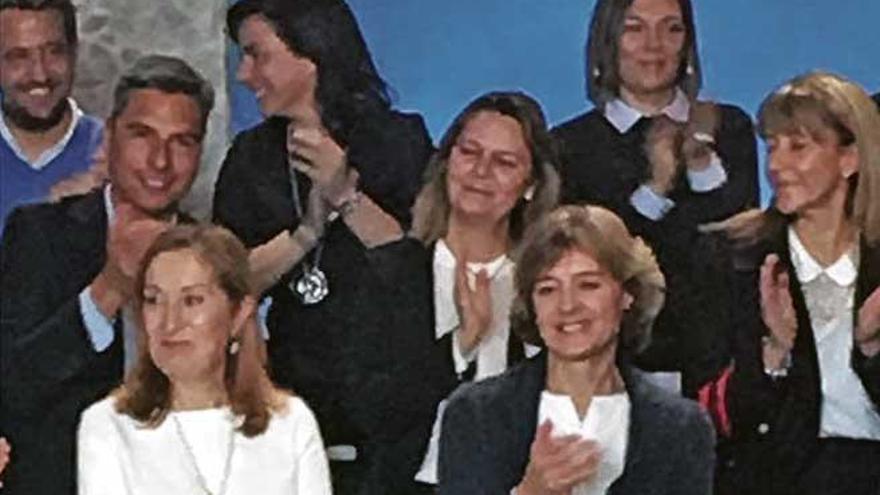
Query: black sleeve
{"type": "Point", "coordinates": [252, 195]}
{"type": "Point", "coordinates": [467, 463]}
{"type": "Point", "coordinates": [399, 371]}
{"type": "Point", "coordinates": [44, 340]}
{"type": "Point", "coordinates": [868, 370]}
{"type": "Point", "coordinates": [390, 153]}
{"type": "Point", "coordinates": [695, 463]}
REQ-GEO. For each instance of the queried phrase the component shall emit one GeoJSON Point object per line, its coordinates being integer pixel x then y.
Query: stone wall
{"type": "Point", "coordinates": [113, 33]}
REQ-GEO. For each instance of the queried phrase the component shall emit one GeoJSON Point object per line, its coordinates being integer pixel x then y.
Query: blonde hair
{"type": "Point", "coordinates": [431, 209]}
{"type": "Point", "coordinates": [145, 395]}
{"type": "Point", "coordinates": [604, 236]}
{"type": "Point", "coordinates": [821, 104]}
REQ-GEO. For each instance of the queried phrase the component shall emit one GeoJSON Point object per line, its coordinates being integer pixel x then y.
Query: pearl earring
{"type": "Point", "coordinates": [234, 346]}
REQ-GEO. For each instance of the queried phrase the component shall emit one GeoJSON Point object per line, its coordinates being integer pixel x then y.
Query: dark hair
{"type": "Point", "coordinates": [603, 235]}
{"type": "Point", "coordinates": [168, 74]}
{"type": "Point", "coordinates": [431, 210]}
{"type": "Point", "coordinates": [64, 7]}
{"type": "Point", "coordinates": [602, 51]}
{"type": "Point", "coordinates": [146, 393]}
{"type": "Point", "coordinates": [326, 32]}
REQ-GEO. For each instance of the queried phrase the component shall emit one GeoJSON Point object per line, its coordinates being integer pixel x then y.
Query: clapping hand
{"type": "Point", "coordinates": [5, 451]}
{"type": "Point", "coordinates": [474, 306]}
{"type": "Point", "coordinates": [867, 331]}
{"type": "Point", "coordinates": [699, 135]}
{"type": "Point", "coordinates": [777, 312]}
{"type": "Point", "coordinates": [313, 152]}
{"type": "Point", "coordinates": [556, 465]}
{"type": "Point", "coordinates": [662, 145]}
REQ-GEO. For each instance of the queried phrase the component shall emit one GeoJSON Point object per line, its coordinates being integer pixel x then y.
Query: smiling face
{"type": "Point", "coordinates": [650, 48]}
{"type": "Point", "coordinates": [578, 307]}
{"type": "Point", "coordinates": [807, 172]}
{"type": "Point", "coordinates": [36, 67]}
{"type": "Point", "coordinates": [154, 147]}
{"type": "Point", "coordinates": [490, 167]}
{"type": "Point", "coordinates": [188, 318]}
{"type": "Point", "coordinates": [283, 81]}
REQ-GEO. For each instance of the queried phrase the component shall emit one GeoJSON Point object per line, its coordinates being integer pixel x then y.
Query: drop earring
{"type": "Point", "coordinates": [234, 346]}
{"type": "Point", "coordinates": [529, 194]}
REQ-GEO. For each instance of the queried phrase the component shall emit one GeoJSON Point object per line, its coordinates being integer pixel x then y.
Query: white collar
{"type": "Point", "coordinates": [843, 271]}
{"type": "Point", "coordinates": [51, 152]}
{"type": "Point", "coordinates": [623, 117]}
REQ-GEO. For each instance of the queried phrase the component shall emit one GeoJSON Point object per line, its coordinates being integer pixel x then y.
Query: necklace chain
{"type": "Point", "coordinates": [200, 478]}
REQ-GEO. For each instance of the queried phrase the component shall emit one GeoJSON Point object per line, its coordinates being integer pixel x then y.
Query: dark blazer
{"type": "Point", "coordinates": [775, 425]}
{"type": "Point", "coordinates": [253, 198]}
{"type": "Point", "coordinates": [50, 370]}
{"type": "Point", "coordinates": [488, 429]}
{"type": "Point", "coordinates": [599, 165]}
{"type": "Point", "coordinates": [401, 371]}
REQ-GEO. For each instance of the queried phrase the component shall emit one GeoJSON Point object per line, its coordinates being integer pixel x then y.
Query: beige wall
{"type": "Point", "coordinates": [113, 33]}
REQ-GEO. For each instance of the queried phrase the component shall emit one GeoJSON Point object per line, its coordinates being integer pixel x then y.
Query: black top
{"type": "Point", "coordinates": [775, 424]}
{"type": "Point", "coordinates": [405, 371]}
{"type": "Point", "coordinates": [599, 165]}
{"type": "Point", "coordinates": [50, 370]}
{"type": "Point", "coordinates": [253, 198]}
{"type": "Point", "coordinates": [489, 426]}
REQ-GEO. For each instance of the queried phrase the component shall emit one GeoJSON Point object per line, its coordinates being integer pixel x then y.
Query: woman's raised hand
{"type": "Point", "coordinates": [474, 306]}
{"type": "Point", "coordinates": [556, 465]}
{"type": "Point", "coordinates": [867, 331]}
{"type": "Point", "coordinates": [777, 312]}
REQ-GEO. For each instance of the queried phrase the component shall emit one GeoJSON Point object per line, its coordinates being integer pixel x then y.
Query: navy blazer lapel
{"type": "Point", "coordinates": [869, 272]}
{"type": "Point", "coordinates": [643, 420]}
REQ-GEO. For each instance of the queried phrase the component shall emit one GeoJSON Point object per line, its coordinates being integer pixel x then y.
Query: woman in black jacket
{"type": "Point", "coordinates": [330, 143]}
{"type": "Point", "coordinates": [441, 297]}
{"type": "Point", "coordinates": [660, 159]}
{"type": "Point", "coordinates": [801, 400]}
{"type": "Point", "coordinates": [578, 418]}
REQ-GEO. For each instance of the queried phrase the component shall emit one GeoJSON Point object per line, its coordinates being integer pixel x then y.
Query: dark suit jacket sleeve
{"type": "Point", "coordinates": [868, 369]}
{"type": "Point", "coordinates": [44, 340]}
{"type": "Point", "coordinates": [694, 463]}
{"type": "Point", "coordinates": [390, 153]}
{"type": "Point", "coordinates": [467, 464]}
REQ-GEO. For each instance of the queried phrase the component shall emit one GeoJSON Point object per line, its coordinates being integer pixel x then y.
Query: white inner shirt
{"type": "Point", "coordinates": [846, 409]}
{"type": "Point", "coordinates": [606, 422]}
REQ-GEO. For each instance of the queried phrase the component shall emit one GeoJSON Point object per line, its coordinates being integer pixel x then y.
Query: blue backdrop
{"type": "Point", "coordinates": [438, 54]}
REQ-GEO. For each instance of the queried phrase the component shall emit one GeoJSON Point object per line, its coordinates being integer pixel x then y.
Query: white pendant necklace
{"type": "Point", "coordinates": [200, 478]}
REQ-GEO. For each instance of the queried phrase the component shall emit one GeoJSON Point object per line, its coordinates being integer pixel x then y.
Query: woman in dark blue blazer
{"type": "Point", "coordinates": [578, 418]}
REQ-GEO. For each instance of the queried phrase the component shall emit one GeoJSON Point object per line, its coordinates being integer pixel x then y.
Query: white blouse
{"type": "Point", "coordinates": [829, 292]}
{"type": "Point", "coordinates": [119, 456]}
{"type": "Point", "coordinates": [606, 422]}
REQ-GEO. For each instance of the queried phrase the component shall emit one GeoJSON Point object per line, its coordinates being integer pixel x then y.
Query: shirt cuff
{"type": "Point", "coordinates": [98, 326]}
{"type": "Point", "coordinates": [708, 179]}
{"type": "Point", "coordinates": [649, 203]}
{"type": "Point", "coordinates": [462, 361]}
{"type": "Point", "coordinates": [263, 316]}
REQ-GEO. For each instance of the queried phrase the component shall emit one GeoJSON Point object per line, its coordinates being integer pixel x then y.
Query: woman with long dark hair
{"type": "Point", "coordinates": [306, 189]}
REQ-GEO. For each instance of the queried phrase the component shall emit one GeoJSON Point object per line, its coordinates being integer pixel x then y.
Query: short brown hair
{"type": "Point", "coordinates": [145, 395]}
{"type": "Point", "coordinates": [63, 7]}
{"type": "Point", "coordinates": [606, 26]}
{"type": "Point", "coordinates": [431, 210]}
{"type": "Point", "coordinates": [604, 236]}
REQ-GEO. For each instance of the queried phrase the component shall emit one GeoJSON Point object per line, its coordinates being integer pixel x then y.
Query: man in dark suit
{"type": "Point", "coordinates": [68, 269]}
